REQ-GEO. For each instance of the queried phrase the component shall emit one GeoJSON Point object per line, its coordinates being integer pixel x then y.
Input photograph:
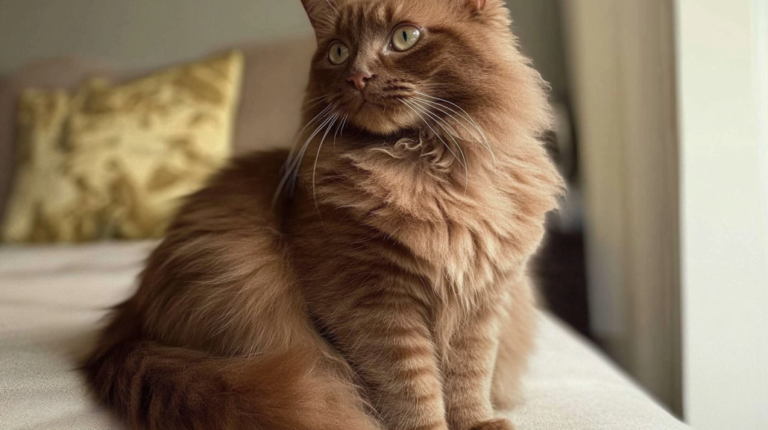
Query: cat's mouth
{"type": "Point", "coordinates": [366, 102]}
{"type": "Point", "coordinates": [382, 117]}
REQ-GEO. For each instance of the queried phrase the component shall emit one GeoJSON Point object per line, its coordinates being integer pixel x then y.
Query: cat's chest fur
{"type": "Point", "coordinates": [459, 224]}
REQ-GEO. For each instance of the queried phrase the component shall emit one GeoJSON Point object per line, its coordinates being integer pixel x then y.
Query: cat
{"type": "Point", "coordinates": [375, 276]}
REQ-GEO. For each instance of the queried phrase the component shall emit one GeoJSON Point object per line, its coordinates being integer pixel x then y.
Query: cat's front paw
{"type": "Point", "coordinates": [499, 424]}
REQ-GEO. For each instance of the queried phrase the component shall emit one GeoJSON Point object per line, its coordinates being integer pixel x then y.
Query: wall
{"type": "Point", "coordinates": [723, 58]}
{"type": "Point", "coordinates": [143, 33]}
{"type": "Point", "coordinates": [138, 33]}
{"type": "Point", "coordinates": [538, 25]}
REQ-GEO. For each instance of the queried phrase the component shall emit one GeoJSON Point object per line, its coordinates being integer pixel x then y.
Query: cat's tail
{"type": "Point", "coordinates": [157, 387]}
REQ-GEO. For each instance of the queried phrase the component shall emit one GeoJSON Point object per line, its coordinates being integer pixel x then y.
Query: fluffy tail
{"type": "Point", "coordinates": [156, 387]}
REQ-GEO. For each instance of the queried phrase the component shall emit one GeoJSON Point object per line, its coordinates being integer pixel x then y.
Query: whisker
{"type": "Point", "coordinates": [322, 114]}
{"type": "Point", "coordinates": [438, 121]}
{"type": "Point", "coordinates": [469, 117]}
{"type": "Point", "coordinates": [426, 109]}
{"type": "Point", "coordinates": [452, 114]}
{"type": "Point", "coordinates": [434, 87]}
{"type": "Point", "coordinates": [318, 98]}
{"type": "Point", "coordinates": [427, 104]}
{"type": "Point", "coordinates": [332, 7]}
{"type": "Point", "coordinates": [344, 125]}
{"type": "Point", "coordinates": [324, 100]}
{"type": "Point", "coordinates": [339, 129]}
{"type": "Point", "coordinates": [433, 131]}
{"type": "Point", "coordinates": [317, 158]}
{"type": "Point", "coordinates": [297, 163]}
{"type": "Point", "coordinates": [293, 162]}
{"type": "Point", "coordinates": [482, 140]}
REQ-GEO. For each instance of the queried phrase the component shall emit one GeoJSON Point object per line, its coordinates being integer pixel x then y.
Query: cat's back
{"type": "Point", "coordinates": [240, 196]}
{"type": "Point", "coordinates": [222, 256]}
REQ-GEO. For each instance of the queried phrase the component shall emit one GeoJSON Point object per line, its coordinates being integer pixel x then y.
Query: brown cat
{"type": "Point", "coordinates": [386, 285]}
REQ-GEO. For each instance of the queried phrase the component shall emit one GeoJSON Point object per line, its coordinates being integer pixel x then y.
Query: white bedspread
{"type": "Point", "coordinates": [51, 299]}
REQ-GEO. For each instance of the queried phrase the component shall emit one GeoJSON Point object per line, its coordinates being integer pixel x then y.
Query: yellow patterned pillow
{"type": "Point", "coordinates": [113, 162]}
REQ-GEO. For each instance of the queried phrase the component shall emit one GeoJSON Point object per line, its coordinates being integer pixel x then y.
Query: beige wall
{"type": "Point", "coordinates": [143, 33]}
{"type": "Point", "coordinates": [138, 33]}
{"type": "Point", "coordinates": [538, 24]}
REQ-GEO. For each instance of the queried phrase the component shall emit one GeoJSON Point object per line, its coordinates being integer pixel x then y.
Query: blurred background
{"type": "Point", "coordinates": [660, 253]}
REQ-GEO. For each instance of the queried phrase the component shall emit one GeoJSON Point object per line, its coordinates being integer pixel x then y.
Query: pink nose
{"type": "Point", "coordinates": [360, 79]}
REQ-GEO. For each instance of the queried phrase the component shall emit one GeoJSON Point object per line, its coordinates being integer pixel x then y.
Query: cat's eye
{"type": "Point", "coordinates": [338, 53]}
{"type": "Point", "coordinates": [405, 37]}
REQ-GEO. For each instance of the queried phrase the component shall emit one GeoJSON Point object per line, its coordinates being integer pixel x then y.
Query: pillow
{"type": "Point", "coordinates": [113, 161]}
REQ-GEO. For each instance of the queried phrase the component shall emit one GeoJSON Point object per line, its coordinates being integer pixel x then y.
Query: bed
{"type": "Point", "coordinates": [53, 298]}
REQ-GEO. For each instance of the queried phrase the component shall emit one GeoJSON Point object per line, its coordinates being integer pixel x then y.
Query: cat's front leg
{"type": "Point", "coordinates": [468, 372]}
{"type": "Point", "coordinates": [387, 340]}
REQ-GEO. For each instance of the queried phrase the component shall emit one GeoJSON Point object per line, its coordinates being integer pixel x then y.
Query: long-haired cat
{"type": "Point", "coordinates": [375, 277]}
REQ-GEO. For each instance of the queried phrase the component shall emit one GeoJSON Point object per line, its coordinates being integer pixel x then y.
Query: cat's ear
{"type": "Point", "coordinates": [476, 4]}
{"type": "Point", "coordinates": [311, 6]}
{"type": "Point", "coordinates": [484, 5]}
{"type": "Point", "coordinates": [320, 13]}
{"type": "Point", "coordinates": [493, 10]}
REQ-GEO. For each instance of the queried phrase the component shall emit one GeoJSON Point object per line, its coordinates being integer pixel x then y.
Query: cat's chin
{"type": "Point", "coordinates": [389, 132]}
{"type": "Point", "coordinates": [382, 125]}
{"type": "Point", "coordinates": [381, 130]}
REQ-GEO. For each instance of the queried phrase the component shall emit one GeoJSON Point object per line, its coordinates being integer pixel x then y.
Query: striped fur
{"type": "Point", "coordinates": [386, 287]}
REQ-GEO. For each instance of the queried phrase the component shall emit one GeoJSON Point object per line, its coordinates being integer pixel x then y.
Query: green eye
{"type": "Point", "coordinates": [405, 37]}
{"type": "Point", "coordinates": [338, 53]}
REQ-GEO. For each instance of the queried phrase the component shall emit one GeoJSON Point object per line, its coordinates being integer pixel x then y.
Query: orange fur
{"type": "Point", "coordinates": [387, 287]}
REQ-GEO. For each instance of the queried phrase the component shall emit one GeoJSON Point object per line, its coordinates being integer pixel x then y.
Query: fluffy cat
{"type": "Point", "coordinates": [376, 276]}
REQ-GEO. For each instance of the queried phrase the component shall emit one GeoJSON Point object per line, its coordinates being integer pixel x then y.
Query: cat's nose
{"type": "Point", "coordinates": [360, 79]}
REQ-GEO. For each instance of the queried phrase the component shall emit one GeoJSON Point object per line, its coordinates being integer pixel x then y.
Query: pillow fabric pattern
{"type": "Point", "coordinates": [114, 161]}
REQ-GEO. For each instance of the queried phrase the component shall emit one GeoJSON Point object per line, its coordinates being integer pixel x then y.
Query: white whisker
{"type": "Point", "coordinates": [297, 162]}
{"type": "Point", "coordinates": [452, 114]}
{"type": "Point", "coordinates": [322, 114]}
{"type": "Point", "coordinates": [293, 162]}
{"type": "Point", "coordinates": [482, 139]}
{"type": "Point", "coordinates": [317, 98]}
{"type": "Point", "coordinates": [339, 130]}
{"type": "Point", "coordinates": [438, 121]}
{"type": "Point", "coordinates": [469, 117]}
{"type": "Point", "coordinates": [414, 107]}
{"type": "Point", "coordinates": [433, 131]}
{"type": "Point", "coordinates": [425, 108]}
{"type": "Point", "coordinates": [332, 7]}
{"type": "Point", "coordinates": [317, 158]}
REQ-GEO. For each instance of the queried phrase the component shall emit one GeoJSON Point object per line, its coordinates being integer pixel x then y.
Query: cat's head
{"type": "Point", "coordinates": [390, 66]}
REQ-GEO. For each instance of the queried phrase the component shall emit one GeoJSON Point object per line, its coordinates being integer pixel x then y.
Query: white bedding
{"type": "Point", "coordinates": [51, 299]}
